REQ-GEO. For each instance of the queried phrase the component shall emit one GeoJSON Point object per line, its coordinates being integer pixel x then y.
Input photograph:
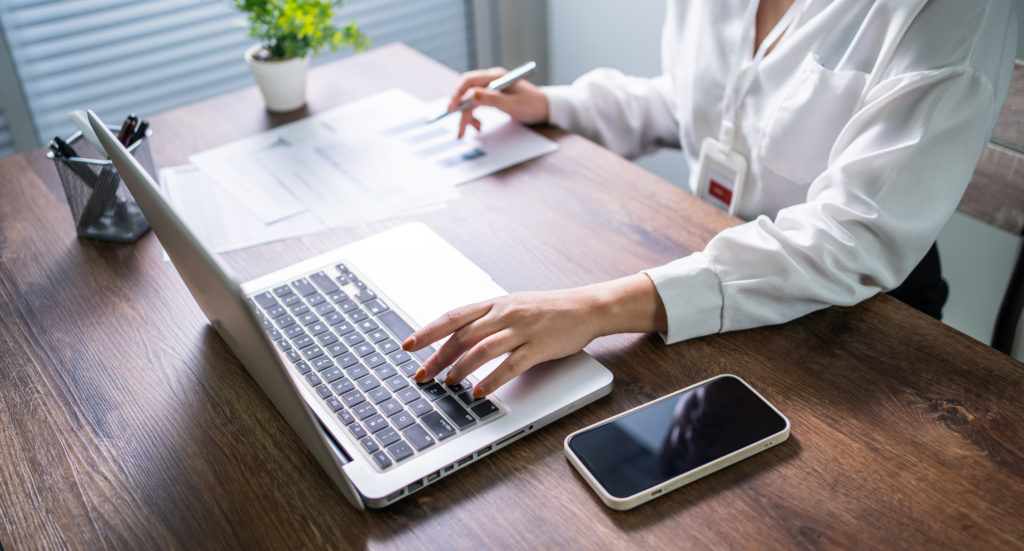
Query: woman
{"type": "Point", "coordinates": [845, 130]}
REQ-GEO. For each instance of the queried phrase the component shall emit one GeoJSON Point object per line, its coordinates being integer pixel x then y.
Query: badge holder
{"type": "Point", "coordinates": [723, 172]}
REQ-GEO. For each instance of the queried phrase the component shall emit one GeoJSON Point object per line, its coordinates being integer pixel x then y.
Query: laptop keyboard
{"type": "Point", "coordinates": [344, 341]}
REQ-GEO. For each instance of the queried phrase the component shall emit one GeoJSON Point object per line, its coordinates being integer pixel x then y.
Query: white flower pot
{"type": "Point", "coordinates": [283, 82]}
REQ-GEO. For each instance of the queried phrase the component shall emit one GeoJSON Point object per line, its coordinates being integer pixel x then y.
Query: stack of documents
{"type": "Point", "coordinates": [368, 160]}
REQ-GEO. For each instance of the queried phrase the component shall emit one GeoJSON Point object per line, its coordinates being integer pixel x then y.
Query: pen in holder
{"type": "Point", "coordinates": [101, 205]}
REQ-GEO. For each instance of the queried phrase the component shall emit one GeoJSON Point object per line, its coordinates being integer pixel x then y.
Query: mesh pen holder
{"type": "Point", "coordinates": [101, 205]}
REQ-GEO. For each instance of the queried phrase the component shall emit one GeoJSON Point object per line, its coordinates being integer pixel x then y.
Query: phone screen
{"type": "Point", "coordinates": [675, 435]}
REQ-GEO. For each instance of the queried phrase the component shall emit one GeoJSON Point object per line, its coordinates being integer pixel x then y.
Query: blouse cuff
{"type": "Point", "coordinates": [692, 294]}
{"type": "Point", "coordinates": [560, 107]}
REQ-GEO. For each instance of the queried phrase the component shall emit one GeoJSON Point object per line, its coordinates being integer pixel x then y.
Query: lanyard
{"type": "Point", "coordinates": [736, 93]}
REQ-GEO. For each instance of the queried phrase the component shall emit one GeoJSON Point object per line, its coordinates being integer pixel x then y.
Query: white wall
{"type": "Point", "coordinates": [583, 34]}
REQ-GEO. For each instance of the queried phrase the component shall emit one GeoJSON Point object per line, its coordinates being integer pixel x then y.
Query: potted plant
{"type": "Point", "coordinates": [290, 31]}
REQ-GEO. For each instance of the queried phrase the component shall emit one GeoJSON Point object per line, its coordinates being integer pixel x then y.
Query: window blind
{"type": "Point", "coordinates": [121, 56]}
{"type": "Point", "coordinates": [6, 141]}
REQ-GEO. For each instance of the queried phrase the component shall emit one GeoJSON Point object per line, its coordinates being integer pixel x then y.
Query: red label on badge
{"type": "Point", "coordinates": [720, 192]}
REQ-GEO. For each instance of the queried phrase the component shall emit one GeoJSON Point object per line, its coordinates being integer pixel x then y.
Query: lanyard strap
{"type": "Point", "coordinates": [736, 93]}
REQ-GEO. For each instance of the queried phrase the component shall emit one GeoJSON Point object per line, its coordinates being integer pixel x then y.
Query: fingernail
{"type": "Point", "coordinates": [478, 392]}
{"type": "Point", "coordinates": [448, 380]}
{"type": "Point", "coordinates": [421, 374]}
{"type": "Point", "coordinates": [409, 343]}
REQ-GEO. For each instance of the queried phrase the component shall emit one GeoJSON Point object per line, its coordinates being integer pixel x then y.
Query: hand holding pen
{"type": "Point", "coordinates": [521, 99]}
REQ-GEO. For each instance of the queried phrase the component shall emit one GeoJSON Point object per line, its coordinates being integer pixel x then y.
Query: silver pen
{"type": "Point", "coordinates": [500, 83]}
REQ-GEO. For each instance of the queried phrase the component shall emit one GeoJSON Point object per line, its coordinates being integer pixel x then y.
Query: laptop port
{"type": "Point", "coordinates": [508, 439]}
{"type": "Point", "coordinates": [462, 462]}
{"type": "Point", "coordinates": [433, 477]}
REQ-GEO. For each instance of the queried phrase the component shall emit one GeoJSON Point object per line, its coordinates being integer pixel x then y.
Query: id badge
{"type": "Point", "coordinates": [722, 175]}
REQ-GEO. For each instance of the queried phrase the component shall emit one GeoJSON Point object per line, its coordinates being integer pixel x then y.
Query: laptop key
{"type": "Point", "coordinates": [347, 360]}
{"type": "Point", "coordinates": [276, 311]}
{"type": "Point", "coordinates": [369, 444]}
{"type": "Point", "coordinates": [418, 437]}
{"type": "Point", "coordinates": [293, 330]}
{"type": "Point", "coordinates": [388, 346]}
{"type": "Point", "coordinates": [357, 430]}
{"type": "Point", "coordinates": [336, 349]}
{"type": "Point", "coordinates": [364, 410]}
{"type": "Point", "coordinates": [332, 374]}
{"type": "Point", "coordinates": [434, 391]}
{"type": "Point", "coordinates": [323, 281]}
{"type": "Point", "coordinates": [283, 344]}
{"type": "Point", "coordinates": [303, 341]}
{"type": "Point", "coordinates": [334, 403]}
{"type": "Point", "coordinates": [365, 295]}
{"type": "Point", "coordinates": [376, 307]}
{"type": "Point", "coordinates": [312, 378]}
{"type": "Point", "coordinates": [467, 397]}
{"type": "Point", "coordinates": [315, 299]}
{"type": "Point", "coordinates": [265, 300]}
{"type": "Point", "coordinates": [317, 328]}
{"type": "Point", "coordinates": [420, 407]}
{"type": "Point", "coordinates": [424, 353]}
{"type": "Point", "coordinates": [387, 436]}
{"type": "Point", "coordinates": [357, 315]}
{"type": "Point", "coordinates": [389, 407]}
{"type": "Point", "coordinates": [303, 287]}
{"type": "Point", "coordinates": [348, 306]}
{"type": "Point", "coordinates": [274, 334]}
{"type": "Point", "coordinates": [364, 349]}
{"type": "Point", "coordinates": [325, 308]}
{"type": "Point", "coordinates": [438, 425]}
{"type": "Point", "coordinates": [484, 409]}
{"type": "Point", "coordinates": [334, 318]}
{"type": "Point", "coordinates": [302, 366]}
{"type": "Point", "coordinates": [408, 394]}
{"type": "Point", "coordinates": [284, 321]}
{"type": "Point", "coordinates": [293, 355]}
{"type": "Point", "coordinates": [357, 371]}
{"type": "Point", "coordinates": [323, 391]}
{"type": "Point", "coordinates": [326, 339]}
{"type": "Point", "coordinates": [368, 383]}
{"type": "Point", "coordinates": [377, 335]}
{"type": "Point", "coordinates": [346, 417]}
{"type": "Point", "coordinates": [343, 328]}
{"type": "Point", "coordinates": [386, 373]}
{"type": "Point", "coordinates": [368, 325]}
{"type": "Point", "coordinates": [311, 352]}
{"type": "Point", "coordinates": [341, 386]}
{"type": "Point", "coordinates": [309, 318]}
{"type": "Point", "coordinates": [402, 419]}
{"type": "Point", "coordinates": [454, 410]}
{"type": "Point", "coordinates": [382, 459]}
{"type": "Point", "coordinates": [378, 394]}
{"type": "Point", "coordinates": [291, 300]}
{"type": "Point", "coordinates": [322, 363]}
{"type": "Point", "coordinates": [337, 297]}
{"type": "Point", "coordinates": [354, 338]}
{"type": "Point", "coordinates": [375, 422]}
{"type": "Point", "coordinates": [353, 399]}
{"type": "Point", "coordinates": [265, 321]}
{"type": "Point", "coordinates": [373, 360]}
{"type": "Point", "coordinates": [400, 450]}
{"type": "Point", "coordinates": [299, 309]}
{"type": "Point", "coordinates": [282, 290]}
{"type": "Point", "coordinates": [409, 369]}
{"type": "Point", "coordinates": [395, 324]}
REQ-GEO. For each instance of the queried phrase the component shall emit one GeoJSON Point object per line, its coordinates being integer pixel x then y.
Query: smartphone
{"type": "Point", "coordinates": [659, 446]}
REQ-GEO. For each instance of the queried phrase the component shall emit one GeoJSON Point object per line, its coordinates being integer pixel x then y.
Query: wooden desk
{"type": "Point", "coordinates": [125, 422]}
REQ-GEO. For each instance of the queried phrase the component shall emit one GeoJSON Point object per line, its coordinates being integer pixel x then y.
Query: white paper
{"type": "Point", "coordinates": [366, 160]}
{"type": "Point", "coordinates": [220, 222]}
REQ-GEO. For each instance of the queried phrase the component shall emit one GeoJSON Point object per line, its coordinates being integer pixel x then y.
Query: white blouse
{"type": "Point", "coordinates": [862, 129]}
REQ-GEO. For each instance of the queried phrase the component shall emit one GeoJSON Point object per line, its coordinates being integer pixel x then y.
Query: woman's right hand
{"type": "Point", "coordinates": [523, 101]}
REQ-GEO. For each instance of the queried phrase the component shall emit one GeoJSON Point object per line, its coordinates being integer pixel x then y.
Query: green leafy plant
{"type": "Point", "coordinates": [295, 28]}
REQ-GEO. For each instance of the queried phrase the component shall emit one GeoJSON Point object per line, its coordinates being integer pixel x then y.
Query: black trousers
{"type": "Point", "coordinates": [924, 288]}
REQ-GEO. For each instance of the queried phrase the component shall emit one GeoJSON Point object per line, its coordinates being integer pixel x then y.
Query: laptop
{"type": "Point", "coordinates": [321, 338]}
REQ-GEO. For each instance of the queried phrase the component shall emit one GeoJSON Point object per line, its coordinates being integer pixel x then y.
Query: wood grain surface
{"type": "Point", "coordinates": [126, 423]}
